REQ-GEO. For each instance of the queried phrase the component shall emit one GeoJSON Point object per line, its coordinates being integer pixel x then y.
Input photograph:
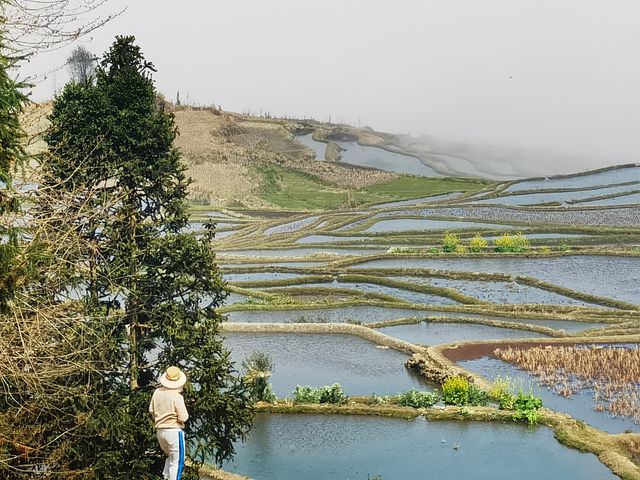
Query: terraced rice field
{"type": "Point", "coordinates": [367, 307]}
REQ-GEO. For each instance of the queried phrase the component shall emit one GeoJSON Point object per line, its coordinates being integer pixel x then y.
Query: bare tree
{"type": "Point", "coordinates": [81, 64]}
{"type": "Point", "coordinates": [32, 26]}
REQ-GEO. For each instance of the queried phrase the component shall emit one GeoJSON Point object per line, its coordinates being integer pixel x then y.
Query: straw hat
{"type": "Point", "coordinates": [173, 378]}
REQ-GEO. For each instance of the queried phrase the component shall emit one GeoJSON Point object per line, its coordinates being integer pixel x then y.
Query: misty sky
{"type": "Point", "coordinates": [553, 74]}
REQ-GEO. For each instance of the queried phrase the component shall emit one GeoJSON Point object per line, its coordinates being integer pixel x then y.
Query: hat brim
{"type": "Point", "coordinates": [165, 382]}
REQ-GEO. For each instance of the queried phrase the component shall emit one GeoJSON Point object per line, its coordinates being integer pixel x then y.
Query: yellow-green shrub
{"type": "Point", "coordinates": [512, 243]}
{"type": "Point", "coordinates": [450, 242]}
{"type": "Point", "coordinates": [455, 391]}
{"type": "Point", "coordinates": [478, 244]}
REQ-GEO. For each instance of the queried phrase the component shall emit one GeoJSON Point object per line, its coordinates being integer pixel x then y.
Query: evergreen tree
{"type": "Point", "coordinates": [12, 156]}
{"type": "Point", "coordinates": [111, 152]}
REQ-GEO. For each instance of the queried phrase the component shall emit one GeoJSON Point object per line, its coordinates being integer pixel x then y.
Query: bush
{"type": "Point", "coordinates": [327, 394]}
{"type": "Point", "coordinates": [526, 407]}
{"type": "Point", "coordinates": [418, 399]}
{"type": "Point", "coordinates": [512, 243]}
{"type": "Point", "coordinates": [450, 242]}
{"type": "Point", "coordinates": [477, 396]}
{"type": "Point", "coordinates": [306, 394]}
{"type": "Point", "coordinates": [455, 391]}
{"type": "Point", "coordinates": [478, 244]}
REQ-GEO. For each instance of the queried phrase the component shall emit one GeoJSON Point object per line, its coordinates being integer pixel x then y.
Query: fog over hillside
{"type": "Point", "coordinates": [547, 86]}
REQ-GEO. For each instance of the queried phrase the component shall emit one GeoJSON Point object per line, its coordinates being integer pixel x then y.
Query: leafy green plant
{"type": "Point", "coordinates": [477, 396]}
{"type": "Point", "coordinates": [450, 242]}
{"type": "Point", "coordinates": [327, 394]}
{"type": "Point", "coordinates": [455, 391]}
{"type": "Point", "coordinates": [306, 394]}
{"type": "Point", "coordinates": [512, 243]}
{"type": "Point", "coordinates": [526, 407]}
{"type": "Point", "coordinates": [545, 250]}
{"type": "Point", "coordinates": [417, 399]}
{"type": "Point", "coordinates": [478, 244]}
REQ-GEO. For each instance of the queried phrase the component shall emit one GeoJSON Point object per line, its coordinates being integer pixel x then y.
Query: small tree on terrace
{"type": "Point", "coordinates": [81, 64]}
{"type": "Point", "coordinates": [113, 139]}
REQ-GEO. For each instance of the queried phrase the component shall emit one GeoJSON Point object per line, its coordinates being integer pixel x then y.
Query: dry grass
{"type": "Point", "coordinates": [222, 183]}
{"type": "Point", "coordinates": [228, 139]}
{"type": "Point", "coordinates": [612, 373]}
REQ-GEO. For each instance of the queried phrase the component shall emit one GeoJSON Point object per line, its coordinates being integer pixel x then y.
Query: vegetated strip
{"type": "Point", "coordinates": [327, 291]}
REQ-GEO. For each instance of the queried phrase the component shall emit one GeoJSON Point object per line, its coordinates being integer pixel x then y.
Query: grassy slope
{"type": "Point", "coordinates": [293, 190]}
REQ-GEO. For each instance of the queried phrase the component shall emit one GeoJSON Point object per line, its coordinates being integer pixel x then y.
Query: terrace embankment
{"type": "Point", "coordinates": [324, 328]}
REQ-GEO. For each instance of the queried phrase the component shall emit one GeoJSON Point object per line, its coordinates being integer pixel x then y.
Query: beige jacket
{"type": "Point", "coordinates": [168, 409]}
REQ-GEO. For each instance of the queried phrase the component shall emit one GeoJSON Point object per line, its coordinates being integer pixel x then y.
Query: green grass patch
{"type": "Point", "coordinates": [407, 187]}
{"type": "Point", "coordinates": [293, 190]}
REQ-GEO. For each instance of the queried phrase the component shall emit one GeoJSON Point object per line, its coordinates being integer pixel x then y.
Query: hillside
{"type": "Point", "coordinates": [249, 162]}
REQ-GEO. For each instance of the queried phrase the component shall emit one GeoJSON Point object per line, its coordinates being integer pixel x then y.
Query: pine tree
{"type": "Point", "coordinates": [110, 148]}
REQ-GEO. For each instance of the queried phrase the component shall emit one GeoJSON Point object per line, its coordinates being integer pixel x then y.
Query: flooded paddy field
{"type": "Point", "coordinates": [401, 224]}
{"type": "Point", "coordinates": [596, 179]}
{"type": "Point", "coordinates": [500, 292]}
{"type": "Point", "coordinates": [317, 447]}
{"type": "Point", "coordinates": [608, 276]}
{"type": "Point", "coordinates": [426, 333]}
{"type": "Point", "coordinates": [358, 365]}
{"type": "Point", "coordinates": [259, 276]}
{"type": "Point", "coordinates": [631, 199]}
{"type": "Point", "coordinates": [418, 201]}
{"type": "Point", "coordinates": [402, 294]}
{"type": "Point", "coordinates": [565, 198]}
{"type": "Point", "coordinates": [621, 216]}
{"type": "Point", "coordinates": [381, 159]}
{"type": "Point", "coordinates": [331, 239]}
{"type": "Point", "coordinates": [318, 147]}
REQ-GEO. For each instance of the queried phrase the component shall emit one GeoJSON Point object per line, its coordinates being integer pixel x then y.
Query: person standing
{"type": "Point", "coordinates": [169, 415]}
